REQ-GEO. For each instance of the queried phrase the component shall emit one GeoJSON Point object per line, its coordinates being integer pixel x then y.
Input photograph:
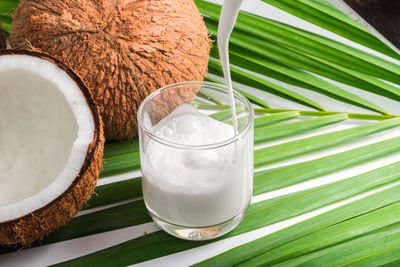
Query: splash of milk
{"type": "Point", "coordinates": [227, 19]}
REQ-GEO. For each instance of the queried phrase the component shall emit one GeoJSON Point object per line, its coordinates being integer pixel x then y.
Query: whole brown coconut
{"type": "Point", "coordinates": [123, 50]}
{"type": "Point", "coordinates": [3, 40]}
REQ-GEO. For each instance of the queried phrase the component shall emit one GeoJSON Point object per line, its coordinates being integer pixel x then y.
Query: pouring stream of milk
{"type": "Point", "coordinates": [227, 19]}
{"type": "Point", "coordinates": [200, 187]}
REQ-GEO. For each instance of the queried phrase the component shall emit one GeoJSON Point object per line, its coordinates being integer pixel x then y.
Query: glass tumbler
{"type": "Point", "coordinates": [197, 171]}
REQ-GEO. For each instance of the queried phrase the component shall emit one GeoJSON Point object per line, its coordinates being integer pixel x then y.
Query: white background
{"type": "Point", "coordinates": [63, 251]}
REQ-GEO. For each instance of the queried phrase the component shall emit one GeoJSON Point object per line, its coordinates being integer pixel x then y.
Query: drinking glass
{"type": "Point", "coordinates": [196, 191]}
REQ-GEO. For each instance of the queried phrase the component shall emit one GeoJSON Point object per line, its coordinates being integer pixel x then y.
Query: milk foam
{"type": "Point", "coordinates": [186, 125]}
{"type": "Point", "coordinates": [190, 171]}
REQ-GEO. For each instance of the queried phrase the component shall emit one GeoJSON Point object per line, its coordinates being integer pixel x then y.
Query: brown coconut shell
{"type": "Point", "coordinates": [123, 50]}
{"type": "Point", "coordinates": [3, 40]}
{"type": "Point", "coordinates": [161, 105]}
{"type": "Point", "coordinates": [43, 221]}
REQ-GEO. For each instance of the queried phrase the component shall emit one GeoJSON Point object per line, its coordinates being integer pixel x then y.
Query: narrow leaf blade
{"type": "Point", "coordinates": [268, 133]}
{"type": "Point", "coordinates": [300, 147]}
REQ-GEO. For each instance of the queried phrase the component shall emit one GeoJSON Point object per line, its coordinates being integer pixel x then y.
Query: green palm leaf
{"type": "Point", "coordinates": [315, 224]}
{"type": "Point", "coordinates": [328, 17]}
{"type": "Point", "coordinates": [362, 232]}
{"type": "Point", "coordinates": [250, 61]}
{"type": "Point", "coordinates": [115, 192]}
{"type": "Point", "coordinates": [308, 62]}
{"type": "Point", "coordinates": [358, 116]}
{"type": "Point", "coordinates": [300, 147]}
{"type": "Point", "coordinates": [238, 75]}
{"type": "Point", "coordinates": [309, 43]}
{"type": "Point", "coordinates": [332, 235]}
{"type": "Point", "coordinates": [272, 132]}
{"type": "Point", "coordinates": [308, 170]}
{"type": "Point", "coordinates": [266, 120]}
{"type": "Point", "coordinates": [118, 148]}
{"type": "Point", "coordinates": [345, 254]}
{"type": "Point", "coordinates": [253, 99]}
{"type": "Point", "coordinates": [385, 256]}
{"type": "Point", "coordinates": [120, 163]}
{"type": "Point", "coordinates": [7, 7]}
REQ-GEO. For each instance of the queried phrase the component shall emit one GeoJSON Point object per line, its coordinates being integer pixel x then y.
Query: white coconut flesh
{"type": "Point", "coordinates": [45, 129]}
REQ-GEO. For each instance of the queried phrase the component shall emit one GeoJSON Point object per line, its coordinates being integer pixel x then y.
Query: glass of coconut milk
{"type": "Point", "coordinates": [197, 170]}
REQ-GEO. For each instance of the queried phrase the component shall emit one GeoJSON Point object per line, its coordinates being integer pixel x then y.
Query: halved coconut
{"type": "Point", "coordinates": [51, 145]}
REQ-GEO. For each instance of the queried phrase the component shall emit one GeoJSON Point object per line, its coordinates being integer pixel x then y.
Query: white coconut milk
{"type": "Point", "coordinates": [227, 19]}
{"type": "Point", "coordinates": [199, 187]}
{"type": "Point", "coordinates": [196, 187]}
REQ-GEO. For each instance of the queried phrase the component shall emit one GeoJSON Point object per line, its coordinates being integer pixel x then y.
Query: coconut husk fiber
{"type": "Point", "coordinates": [123, 50]}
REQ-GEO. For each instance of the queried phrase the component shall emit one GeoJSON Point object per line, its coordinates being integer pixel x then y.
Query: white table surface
{"type": "Point", "coordinates": [62, 251]}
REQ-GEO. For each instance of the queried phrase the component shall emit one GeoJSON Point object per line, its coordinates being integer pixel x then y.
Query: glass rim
{"type": "Point", "coordinates": [222, 143]}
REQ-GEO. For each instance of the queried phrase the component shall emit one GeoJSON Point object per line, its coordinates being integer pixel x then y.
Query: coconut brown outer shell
{"type": "Point", "coordinates": [43, 221]}
{"type": "Point", "coordinates": [3, 40]}
{"type": "Point", "coordinates": [123, 50]}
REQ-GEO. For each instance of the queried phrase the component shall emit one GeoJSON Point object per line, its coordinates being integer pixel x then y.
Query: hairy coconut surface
{"type": "Point", "coordinates": [51, 144]}
{"type": "Point", "coordinates": [123, 50]}
{"type": "Point", "coordinates": [3, 40]}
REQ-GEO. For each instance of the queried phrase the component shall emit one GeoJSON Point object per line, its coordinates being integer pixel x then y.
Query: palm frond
{"type": "Point", "coordinates": [270, 56]}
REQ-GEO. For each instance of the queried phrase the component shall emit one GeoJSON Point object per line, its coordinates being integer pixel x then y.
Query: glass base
{"type": "Point", "coordinates": [198, 233]}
